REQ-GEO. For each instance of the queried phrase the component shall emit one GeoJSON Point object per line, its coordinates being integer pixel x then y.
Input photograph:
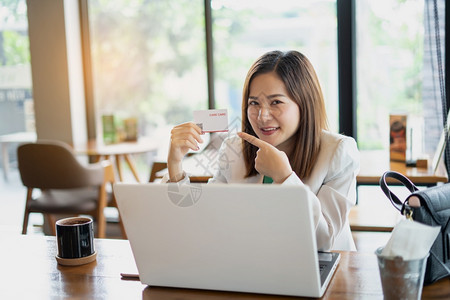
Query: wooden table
{"type": "Point", "coordinates": [17, 137]}
{"type": "Point", "coordinates": [30, 271]}
{"type": "Point", "coordinates": [375, 163]}
{"type": "Point", "coordinates": [381, 215]}
{"type": "Point", "coordinates": [123, 150]}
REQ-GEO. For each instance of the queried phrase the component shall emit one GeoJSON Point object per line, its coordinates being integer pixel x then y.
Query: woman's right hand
{"type": "Point", "coordinates": [183, 138]}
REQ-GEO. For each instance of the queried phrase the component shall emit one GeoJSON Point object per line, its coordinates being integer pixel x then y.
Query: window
{"type": "Point", "coordinates": [16, 103]}
{"type": "Point", "coordinates": [148, 62]}
{"type": "Point", "coordinates": [395, 72]}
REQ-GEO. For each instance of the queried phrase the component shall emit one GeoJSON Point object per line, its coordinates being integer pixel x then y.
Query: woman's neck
{"type": "Point", "coordinates": [287, 147]}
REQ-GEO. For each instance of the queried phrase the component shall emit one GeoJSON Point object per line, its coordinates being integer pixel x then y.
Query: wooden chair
{"type": "Point", "coordinates": [156, 167]}
{"type": "Point", "coordinates": [67, 187]}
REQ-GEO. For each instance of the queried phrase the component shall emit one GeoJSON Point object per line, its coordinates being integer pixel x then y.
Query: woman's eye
{"type": "Point", "coordinates": [276, 102]}
{"type": "Point", "coordinates": [253, 102]}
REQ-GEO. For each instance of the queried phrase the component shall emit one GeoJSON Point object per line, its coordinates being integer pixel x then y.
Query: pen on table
{"type": "Point", "coordinates": [129, 276]}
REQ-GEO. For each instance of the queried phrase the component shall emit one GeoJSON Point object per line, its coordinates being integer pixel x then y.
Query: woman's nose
{"type": "Point", "coordinates": [264, 113]}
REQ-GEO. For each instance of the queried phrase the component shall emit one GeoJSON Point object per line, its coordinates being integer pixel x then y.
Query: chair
{"type": "Point", "coordinates": [156, 167]}
{"type": "Point", "coordinates": [67, 187]}
{"type": "Point", "coordinates": [209, 153]}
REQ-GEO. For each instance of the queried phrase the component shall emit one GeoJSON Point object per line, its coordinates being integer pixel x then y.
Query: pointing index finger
{"type": "Point", "coordinates": [252, 140]}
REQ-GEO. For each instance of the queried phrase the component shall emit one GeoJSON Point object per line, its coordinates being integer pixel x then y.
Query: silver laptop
{"type": "Point", "coordinates": [228, 237]}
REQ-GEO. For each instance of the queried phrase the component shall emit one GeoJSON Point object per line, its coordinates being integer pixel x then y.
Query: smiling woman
{"type": "Point", "coordinates": [284, 141]}
{"type": "Point", "coordinates": [300, 110]}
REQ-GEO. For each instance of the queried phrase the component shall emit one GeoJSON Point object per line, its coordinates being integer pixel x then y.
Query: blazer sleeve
{"type": "Point", "coordinates": [337, 193]}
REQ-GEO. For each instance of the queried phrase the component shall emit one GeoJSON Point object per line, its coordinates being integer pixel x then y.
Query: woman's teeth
{"type": "Point", "coordinates": [269, 129]}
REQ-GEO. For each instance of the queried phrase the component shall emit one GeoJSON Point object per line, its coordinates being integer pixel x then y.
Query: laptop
{"type": "Point", "coordinates": [228, 237]}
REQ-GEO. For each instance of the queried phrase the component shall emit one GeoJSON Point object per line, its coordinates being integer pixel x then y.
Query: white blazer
{"type": "Point", "coordinates": [332, 183]}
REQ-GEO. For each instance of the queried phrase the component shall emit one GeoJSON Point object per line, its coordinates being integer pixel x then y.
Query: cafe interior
{"type": "Point", "coordinates": [101, 84]}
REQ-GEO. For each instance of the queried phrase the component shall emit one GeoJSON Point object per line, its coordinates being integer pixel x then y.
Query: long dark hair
{"type": "Point", "coordinates": [302, 84]}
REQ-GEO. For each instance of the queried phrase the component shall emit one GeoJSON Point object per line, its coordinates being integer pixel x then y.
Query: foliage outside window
{"type": "Point", "coordinates": [149, 61]}
{"type": "Point", "coordinates": [16, 103]}
{"type": "Point", "coordinates": [390, 49]}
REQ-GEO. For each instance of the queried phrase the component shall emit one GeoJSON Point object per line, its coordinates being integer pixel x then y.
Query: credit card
{"type": "Point", "coordinates": [212, 120]}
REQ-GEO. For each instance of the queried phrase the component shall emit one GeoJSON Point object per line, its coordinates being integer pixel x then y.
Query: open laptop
{"type": "Point", "coordinates": [228, 237]}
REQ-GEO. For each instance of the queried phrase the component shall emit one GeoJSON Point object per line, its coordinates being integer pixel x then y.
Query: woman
{"type": "Point", "coordinates": [284, 140]}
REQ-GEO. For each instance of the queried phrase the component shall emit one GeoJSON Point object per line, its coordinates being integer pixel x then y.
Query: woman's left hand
{"type": "Point", "coordinates": [269, 160]}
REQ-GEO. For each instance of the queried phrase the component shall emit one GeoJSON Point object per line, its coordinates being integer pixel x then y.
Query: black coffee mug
{"type": "Point", "coordinates": [75, 241]}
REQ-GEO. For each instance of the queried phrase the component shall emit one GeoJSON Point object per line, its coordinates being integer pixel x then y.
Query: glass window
{"type": "Point", "coordinates": [394, 71]}
{"type": "Point", "coordinates": [16, 103]}
{"type": "Point", "coordinates": [244, 30]}
{"type": "Point", "coordinates": [148, 62]}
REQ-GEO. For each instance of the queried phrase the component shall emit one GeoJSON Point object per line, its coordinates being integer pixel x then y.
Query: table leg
{"type": "Point", "coordinates": [5, 158]}
{"type": "Point", "coordinates": [132, 166]}
{"type": "Point", "coordinates": [119, 168]}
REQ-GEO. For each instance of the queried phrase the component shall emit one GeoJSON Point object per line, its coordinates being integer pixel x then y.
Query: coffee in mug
{"type": "Point", "coordinates": [75, 241]}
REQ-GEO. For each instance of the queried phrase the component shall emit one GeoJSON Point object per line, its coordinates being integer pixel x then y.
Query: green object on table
{"type": "Point", "coordinates": [109, 129]}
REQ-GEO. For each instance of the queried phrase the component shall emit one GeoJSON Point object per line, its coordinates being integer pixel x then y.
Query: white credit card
{"type": "Point", "coordinates": [212, 120]}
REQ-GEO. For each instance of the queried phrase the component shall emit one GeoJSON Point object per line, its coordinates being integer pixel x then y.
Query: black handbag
{"type": "Point", "coordinates": [434, 210]}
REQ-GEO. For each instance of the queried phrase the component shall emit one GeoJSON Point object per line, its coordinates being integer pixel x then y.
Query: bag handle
{"type": "Point", "coordinates": [392, 197]}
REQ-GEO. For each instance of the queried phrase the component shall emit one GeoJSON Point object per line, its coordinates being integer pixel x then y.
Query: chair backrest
{"type": "Point", "coordinates": [156, 167]}
{"type": "Point", "coordinates": [53, 165]}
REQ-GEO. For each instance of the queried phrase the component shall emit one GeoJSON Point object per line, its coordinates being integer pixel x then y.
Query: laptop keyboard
{"type": "Point", "coordinates": [322, 268]}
